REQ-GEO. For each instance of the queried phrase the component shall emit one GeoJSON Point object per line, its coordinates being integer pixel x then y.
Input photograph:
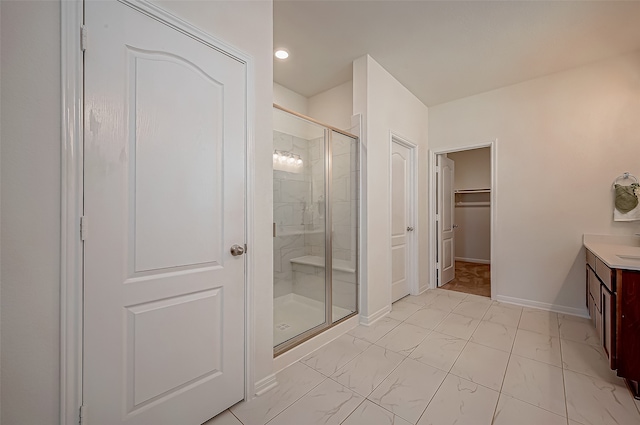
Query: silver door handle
{"type": "Point", "coordinates": [237, 250]}
{"type": "Point", "coordinates": [409, 229]}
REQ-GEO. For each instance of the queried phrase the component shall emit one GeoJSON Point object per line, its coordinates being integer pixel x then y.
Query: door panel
{"type": "Point", "coordinates": [400, 220]}
{"type": "Point", "coordinates": [445, 224]}
{"type": "Point", "coordinates": [164, 193]}
{"type": "Point", "coordinates": [176, 149]}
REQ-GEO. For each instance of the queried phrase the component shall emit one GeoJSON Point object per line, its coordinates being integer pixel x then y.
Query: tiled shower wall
{"type": "Point", "coordinates": [291, 197]}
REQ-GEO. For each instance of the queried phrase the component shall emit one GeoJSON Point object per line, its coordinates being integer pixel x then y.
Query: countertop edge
{"type": "Point", "coordinates": [608, 247]}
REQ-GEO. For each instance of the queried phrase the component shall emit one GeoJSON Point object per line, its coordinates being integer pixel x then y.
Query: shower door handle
{"type": "Point", "coordinates": [237, 250]}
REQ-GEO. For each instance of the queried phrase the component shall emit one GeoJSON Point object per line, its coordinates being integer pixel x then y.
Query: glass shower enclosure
{"type": "Point", "coordinates": [315, 227]}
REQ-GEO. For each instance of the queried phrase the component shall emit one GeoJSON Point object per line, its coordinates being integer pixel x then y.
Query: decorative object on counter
{"type": "Point", "coordinates": [626, 199]}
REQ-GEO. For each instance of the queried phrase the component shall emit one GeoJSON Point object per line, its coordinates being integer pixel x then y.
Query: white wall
{"type": "Point", "coordinates": [30, 155]}
{"type": "Point", "coordinates": [562, 139]}
{"type": "Point", "coordinates": [386, 106]}
{"type": "Point", "coordinates": [30, 61]}
{"type": "Point", "coordinates": [286, 123]}
{"type": "Point", "coordinates": [290, 100]}
{"type": "Point", "coordinates": [472, 168]}
{"type": "Point", "coordinates": [334, 106]}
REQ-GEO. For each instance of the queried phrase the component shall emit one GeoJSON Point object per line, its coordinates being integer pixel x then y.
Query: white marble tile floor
{"type": "Point", "coordinates": [438, 361]}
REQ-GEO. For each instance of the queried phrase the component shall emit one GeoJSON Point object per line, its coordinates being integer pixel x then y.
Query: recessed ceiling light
{"type": "Point", "coordinates": [282, 54]}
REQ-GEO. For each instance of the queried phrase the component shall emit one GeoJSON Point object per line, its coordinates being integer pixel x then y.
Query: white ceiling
{"type": "Point", "coordinates": [446, 50]}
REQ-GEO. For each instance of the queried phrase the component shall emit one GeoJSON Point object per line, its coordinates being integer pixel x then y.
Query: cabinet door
{"type": "Point", "coordinates": [594, 288]}
{"type": "Point", "coordinates": [608, 325]}
{"type": "Point", "coordinates": [628, 337]}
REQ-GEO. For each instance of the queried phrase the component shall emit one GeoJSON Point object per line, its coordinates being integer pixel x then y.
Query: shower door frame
{"type": "Point", "coordinates": [328, 247]}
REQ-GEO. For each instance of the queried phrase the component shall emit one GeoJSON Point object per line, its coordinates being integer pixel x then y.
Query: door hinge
{"type": "Point", "coordinates": [245, 248]}
{"type": "Point", "coordinates": [84, 228]}
{"type": "Point", "coordinates": [83, 415]}
{"type": "Point", "coordinates": [437, 168]}
{"type": "Point", "coordinates": [83, 38]}
{"type": "Point", "coordinates": [437, 217]}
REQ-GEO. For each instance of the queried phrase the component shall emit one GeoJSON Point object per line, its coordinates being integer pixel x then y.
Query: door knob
{"type": "Point", "coordinates": [409, 229]}
{"type": "Point", "coordinates": [237, 250]}
{"type": "Point", "coordinates": [455, 226]}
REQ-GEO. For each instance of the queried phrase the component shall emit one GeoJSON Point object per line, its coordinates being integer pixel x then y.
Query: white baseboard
{"type": "Point", "coordinates": [423, 289]}
{"type": "Point", "coordinates": [371, 319]}
{"type": "Point", "coordinates": [307, 347]}
{"type": "Point", "coordinates": [563, 309]}
{"type": "Point", "coordinates": [265, 385]}
{"type": "Point", "coordinates": [473, 260]}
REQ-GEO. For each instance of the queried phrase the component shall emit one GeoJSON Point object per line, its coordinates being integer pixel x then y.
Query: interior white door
{"type": "Point", "coordinates": [446, 233]}
{"type": "Point", "coordinates": [401, 225]}
{"type": "Point", "coordinates": [164, 200]}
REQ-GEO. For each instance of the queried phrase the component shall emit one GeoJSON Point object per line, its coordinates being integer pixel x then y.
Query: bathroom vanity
{"type": "Point", "coordinates": [613, 300]}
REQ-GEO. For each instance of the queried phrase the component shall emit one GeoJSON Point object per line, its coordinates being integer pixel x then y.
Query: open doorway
{"type": "Point", "coordinates": [463, 196]}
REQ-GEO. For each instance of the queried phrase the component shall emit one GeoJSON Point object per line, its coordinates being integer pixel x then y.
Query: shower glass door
{"type": "Point", "coordinates": [315, 228]}
{"type": "Point", "coordinates": [299, 226]}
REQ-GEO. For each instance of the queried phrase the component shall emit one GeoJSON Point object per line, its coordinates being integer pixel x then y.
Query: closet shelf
{"type": "Point", "coordinates": [473, 204]}
{"type": "Point", "coordinates": [472, 191]}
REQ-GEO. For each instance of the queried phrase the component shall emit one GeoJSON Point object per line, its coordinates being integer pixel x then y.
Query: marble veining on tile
{"type": "Point", "coordinates": [328, 359]}
{"type": "Point", "coordinates": [591, 401]}
{"type": "Point", "coordinates": [404, 338]}
{"type": "Point", "coordinates": [329, 403]}
{"type": "Point", "coordinates": [498, 313]}
{"type": "Point", "coordinates": [364, 373]}
{"type": "Point", "coordinates": [459, 326]}
{"type": "Point", "coordinates": [513, 366]}
{"type": "Point", "coordinates": [494, 335]}
{"type": "Point", "coordinates": [535, 346]}
{"type": "Point", "coordinates": [587, 359]}
{"type": "Point", "coordinates": [428, 318]}
{"type": "Point", "coordinates": [460, 402]}
{"type": "Point", "coordinates": [536, 383]}
{"type": "Point", "coordinates": [293, 383]}
{"type": "Point", "coordinates": [511, 411]}
{"type": "Point", "coordinates": [543, 322]}
{"type": "Point", "coordinates": [369, 413]}
{"type": "Point", "coordinates": [439, 350]}
{"type": "Point", "coordinates": [375, 331]}
{"type": "Point", "coordinates": [482, 365]}
{"type": "Point", "coordinates": [408, 390]}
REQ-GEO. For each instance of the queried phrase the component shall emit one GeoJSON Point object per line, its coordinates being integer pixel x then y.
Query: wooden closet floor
{"type": "Point", "coordinates": [471, 278]}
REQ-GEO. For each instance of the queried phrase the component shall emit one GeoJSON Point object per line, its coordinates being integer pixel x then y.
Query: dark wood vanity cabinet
{"type": "Point", "coordinates": [628, 326]}
{"type": "Point", "coordinates": [613, 301]}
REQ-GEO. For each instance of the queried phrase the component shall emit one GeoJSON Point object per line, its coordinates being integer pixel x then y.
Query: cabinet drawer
{"type": "Point", "coordinates": [591, 259]}
{"type": "Point", "coordinates": [604, 273]}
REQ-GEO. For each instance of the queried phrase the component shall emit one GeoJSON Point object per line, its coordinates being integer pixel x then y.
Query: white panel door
{"type": "Point", "coordinates": [446, 233]}
{"type": "Point", "coordinates": [164, 201]}
{"type": "Point", "coordinates": [401, 226]}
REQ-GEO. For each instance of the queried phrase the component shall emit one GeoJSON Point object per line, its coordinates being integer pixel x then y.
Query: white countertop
{"type": "Point", "coordinates": [617, 252]}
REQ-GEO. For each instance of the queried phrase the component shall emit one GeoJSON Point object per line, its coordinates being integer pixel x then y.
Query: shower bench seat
{"type": "Point", "coordinates": [314, 260]}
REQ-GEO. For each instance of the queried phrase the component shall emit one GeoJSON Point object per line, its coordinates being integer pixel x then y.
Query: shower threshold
{"type": "Point", "coordinates": [295, 314]}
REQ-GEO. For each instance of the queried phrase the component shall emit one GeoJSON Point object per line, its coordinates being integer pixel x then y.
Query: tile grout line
{"type": "Point", "coordinates": [495, 410]}
{"type": "Point", "coordinates": [564, 383]}
{"type": "Point", "coordinates": [304, 394]}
